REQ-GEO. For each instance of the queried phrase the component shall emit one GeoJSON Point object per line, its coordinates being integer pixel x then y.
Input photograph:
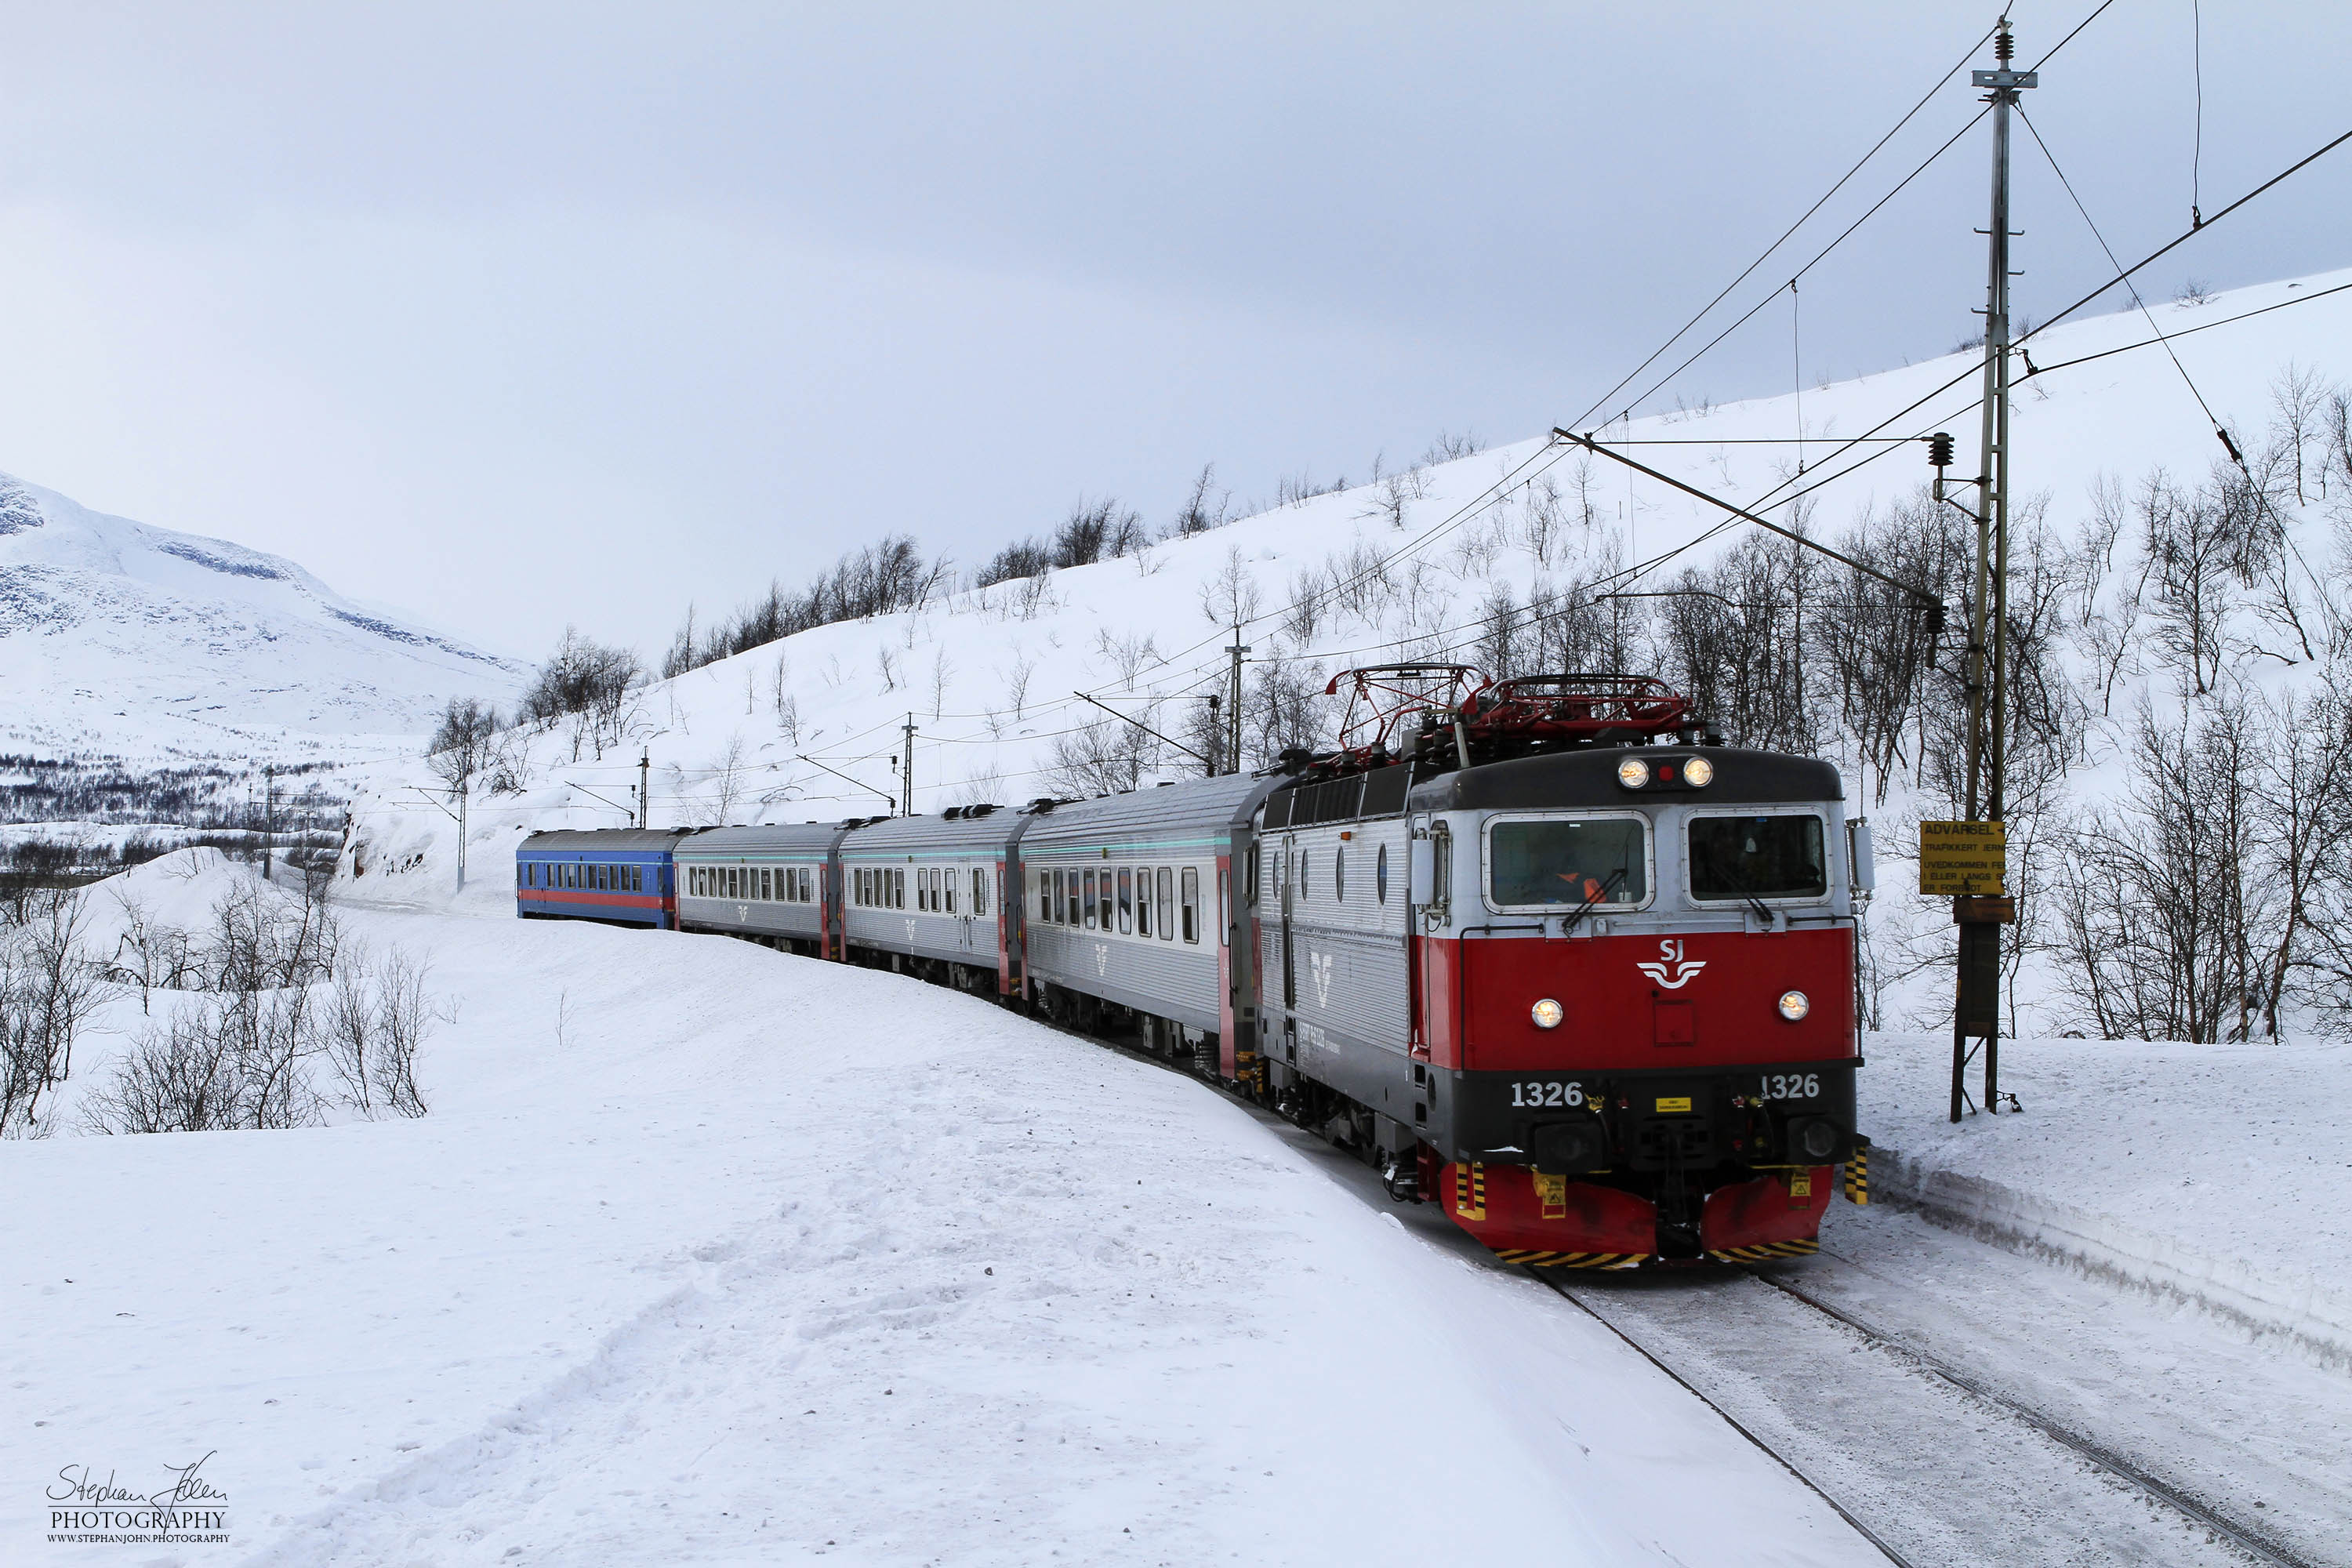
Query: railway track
{"type": "Point", "coordinates": [1956, 1470]}
{"type": "Point", "coordinates": [1946, 1469]}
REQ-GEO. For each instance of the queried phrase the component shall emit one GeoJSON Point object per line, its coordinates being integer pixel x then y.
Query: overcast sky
{"type": "Point", "coordinates": [516, 316]}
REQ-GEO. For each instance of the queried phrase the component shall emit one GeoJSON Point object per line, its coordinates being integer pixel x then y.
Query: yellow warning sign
{"type": "Point", "coordinates": [1962, 858]}
{"type": "Point", "coordinates": [1669, 1105]}
{"type": "Point", "coordinates": [1551, 1192]}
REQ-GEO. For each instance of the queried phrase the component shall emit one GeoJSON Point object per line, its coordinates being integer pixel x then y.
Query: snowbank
{"type": "Point", "coordinates": [2214, 1174]}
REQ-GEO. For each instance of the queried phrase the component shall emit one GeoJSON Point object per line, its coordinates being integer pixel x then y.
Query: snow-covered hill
{"type": "Point", "coordinates": [1428, 564]}
{"type": "Point", "coordinates": [120, 638]}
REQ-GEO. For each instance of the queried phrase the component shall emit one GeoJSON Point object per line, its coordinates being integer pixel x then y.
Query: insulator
{"type": "Point", "coordinates": [2004, 47]}
{"type": "Point", "coordinates": [1939, 449]}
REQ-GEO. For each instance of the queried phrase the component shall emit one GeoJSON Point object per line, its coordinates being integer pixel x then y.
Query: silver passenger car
{"type": "Point", "coordinates": [761, 882]}
{"type": "Point", "coordinates": [932, 888]}
{"type": "Point", "coordinates": [1129, 899]}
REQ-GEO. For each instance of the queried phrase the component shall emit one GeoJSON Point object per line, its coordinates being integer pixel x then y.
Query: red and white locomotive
{"type": "Point", "coordinates": [1542, 950]}
{"type": "Point", "coordinates": [1624, 975]}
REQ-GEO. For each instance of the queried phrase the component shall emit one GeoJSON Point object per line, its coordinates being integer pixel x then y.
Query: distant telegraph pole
{"type": "Point", "coordinates": [1976, 1016]}
{"type": "Point", "coordinates": [1234, 713]}
{"type": "Point", "coordinates": [645, 788]}
{"type": "Point", "coordinates": [907, 772]}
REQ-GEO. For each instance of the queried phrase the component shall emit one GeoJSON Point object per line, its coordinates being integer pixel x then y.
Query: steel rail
{"type": "Point", "coordinates": [2237, 1533]}
{"type": "Point", "coordinates": [1729, 1419]}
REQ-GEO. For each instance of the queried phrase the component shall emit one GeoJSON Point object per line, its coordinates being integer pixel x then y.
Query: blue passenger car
{"type": "Point", "coordinates": [622, 875]}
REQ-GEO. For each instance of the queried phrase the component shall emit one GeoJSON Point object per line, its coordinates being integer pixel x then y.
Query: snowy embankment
{"type": "Point", "coordinates": [2210, 1174]}
{"type": "Point", "coordinates": [709, 1253]}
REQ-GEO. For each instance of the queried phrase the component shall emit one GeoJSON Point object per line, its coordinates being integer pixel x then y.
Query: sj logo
{"type": "Point", "coordinates": [1670, 969]}
{"type": "Point", "coordinates": [1321, 963]}
{"type": "Point", "coordinates": [1102, 958]}
{"type": "Point", "coordinates": [743, 913]}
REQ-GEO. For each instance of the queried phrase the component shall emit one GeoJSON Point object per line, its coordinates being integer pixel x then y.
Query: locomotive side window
{"type": "Point", "coordinates": [1775, 857]}
{"type": "Point", "coordinates": [1167, 883]}
{"type": "Point", "coordinates": [1339, 874]}
{"type": "Point", "coordinates": [1192, 904]}
{"type": "Point", "coordinates": [1567, 863]}
{"type": "Point", "coordinates": [1126, 899]}
{"type": "Point", "coordinates": [1380, 874]}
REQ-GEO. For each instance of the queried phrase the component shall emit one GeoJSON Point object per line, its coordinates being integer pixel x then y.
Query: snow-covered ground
{"type": "Point", "coordinates": [707, 1254]}
{"type": "Point", "coordinates": [2211, 1176]}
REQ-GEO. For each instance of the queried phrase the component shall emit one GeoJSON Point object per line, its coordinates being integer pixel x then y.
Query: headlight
{"type": "Point", "coordinates": [1632, 773]}
{"type": "Point", "coordinates": [1547, 1014]}
{"type": "Point", "coordinates": [1698, 772]}
{"type": "Point", "coordinates": [1794, 1004]}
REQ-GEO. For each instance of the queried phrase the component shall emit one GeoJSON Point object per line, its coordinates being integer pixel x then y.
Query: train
{"type": "Point", "coordinates": [1543, 951]}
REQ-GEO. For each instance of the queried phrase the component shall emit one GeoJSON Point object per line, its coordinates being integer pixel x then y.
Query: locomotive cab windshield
{"type": "Point", "coordinates": [1563, 862]}
{"type": "Point", "coordinates": [1775, 855]}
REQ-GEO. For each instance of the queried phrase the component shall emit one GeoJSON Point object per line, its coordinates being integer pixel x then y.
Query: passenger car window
{"type": "Point", "coordinates": [1143, 900]}
{"type": "Point", "coordinates": [1086, 886]}
{"type": "Point", "coordinates": [1557, 863]}
{"type": "Point", "coordinates": [1167, 883]}
{"type": "Point", "coordinates": [1758, 857]}
{"type": "Point", "coordinates": [1192, 904]}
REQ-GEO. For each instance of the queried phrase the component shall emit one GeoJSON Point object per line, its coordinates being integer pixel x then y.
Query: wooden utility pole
{"type": "Point", "coordinates": [1975, 1014]}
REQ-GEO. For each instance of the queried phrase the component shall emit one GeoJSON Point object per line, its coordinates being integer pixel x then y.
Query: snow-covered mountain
{"type": "Point", "coordinates": [119, 637]}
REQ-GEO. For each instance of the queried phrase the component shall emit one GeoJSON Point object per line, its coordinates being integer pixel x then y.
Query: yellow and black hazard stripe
{"type": "Point", "coordinates": [1857, 1177]}
{"type": "Point", "coordinates": [1470, 1190]}
{"type": "Point", "coordinates": [1536, 1259]}
{"type": "Point", "coordinates": [1764, 1252]}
